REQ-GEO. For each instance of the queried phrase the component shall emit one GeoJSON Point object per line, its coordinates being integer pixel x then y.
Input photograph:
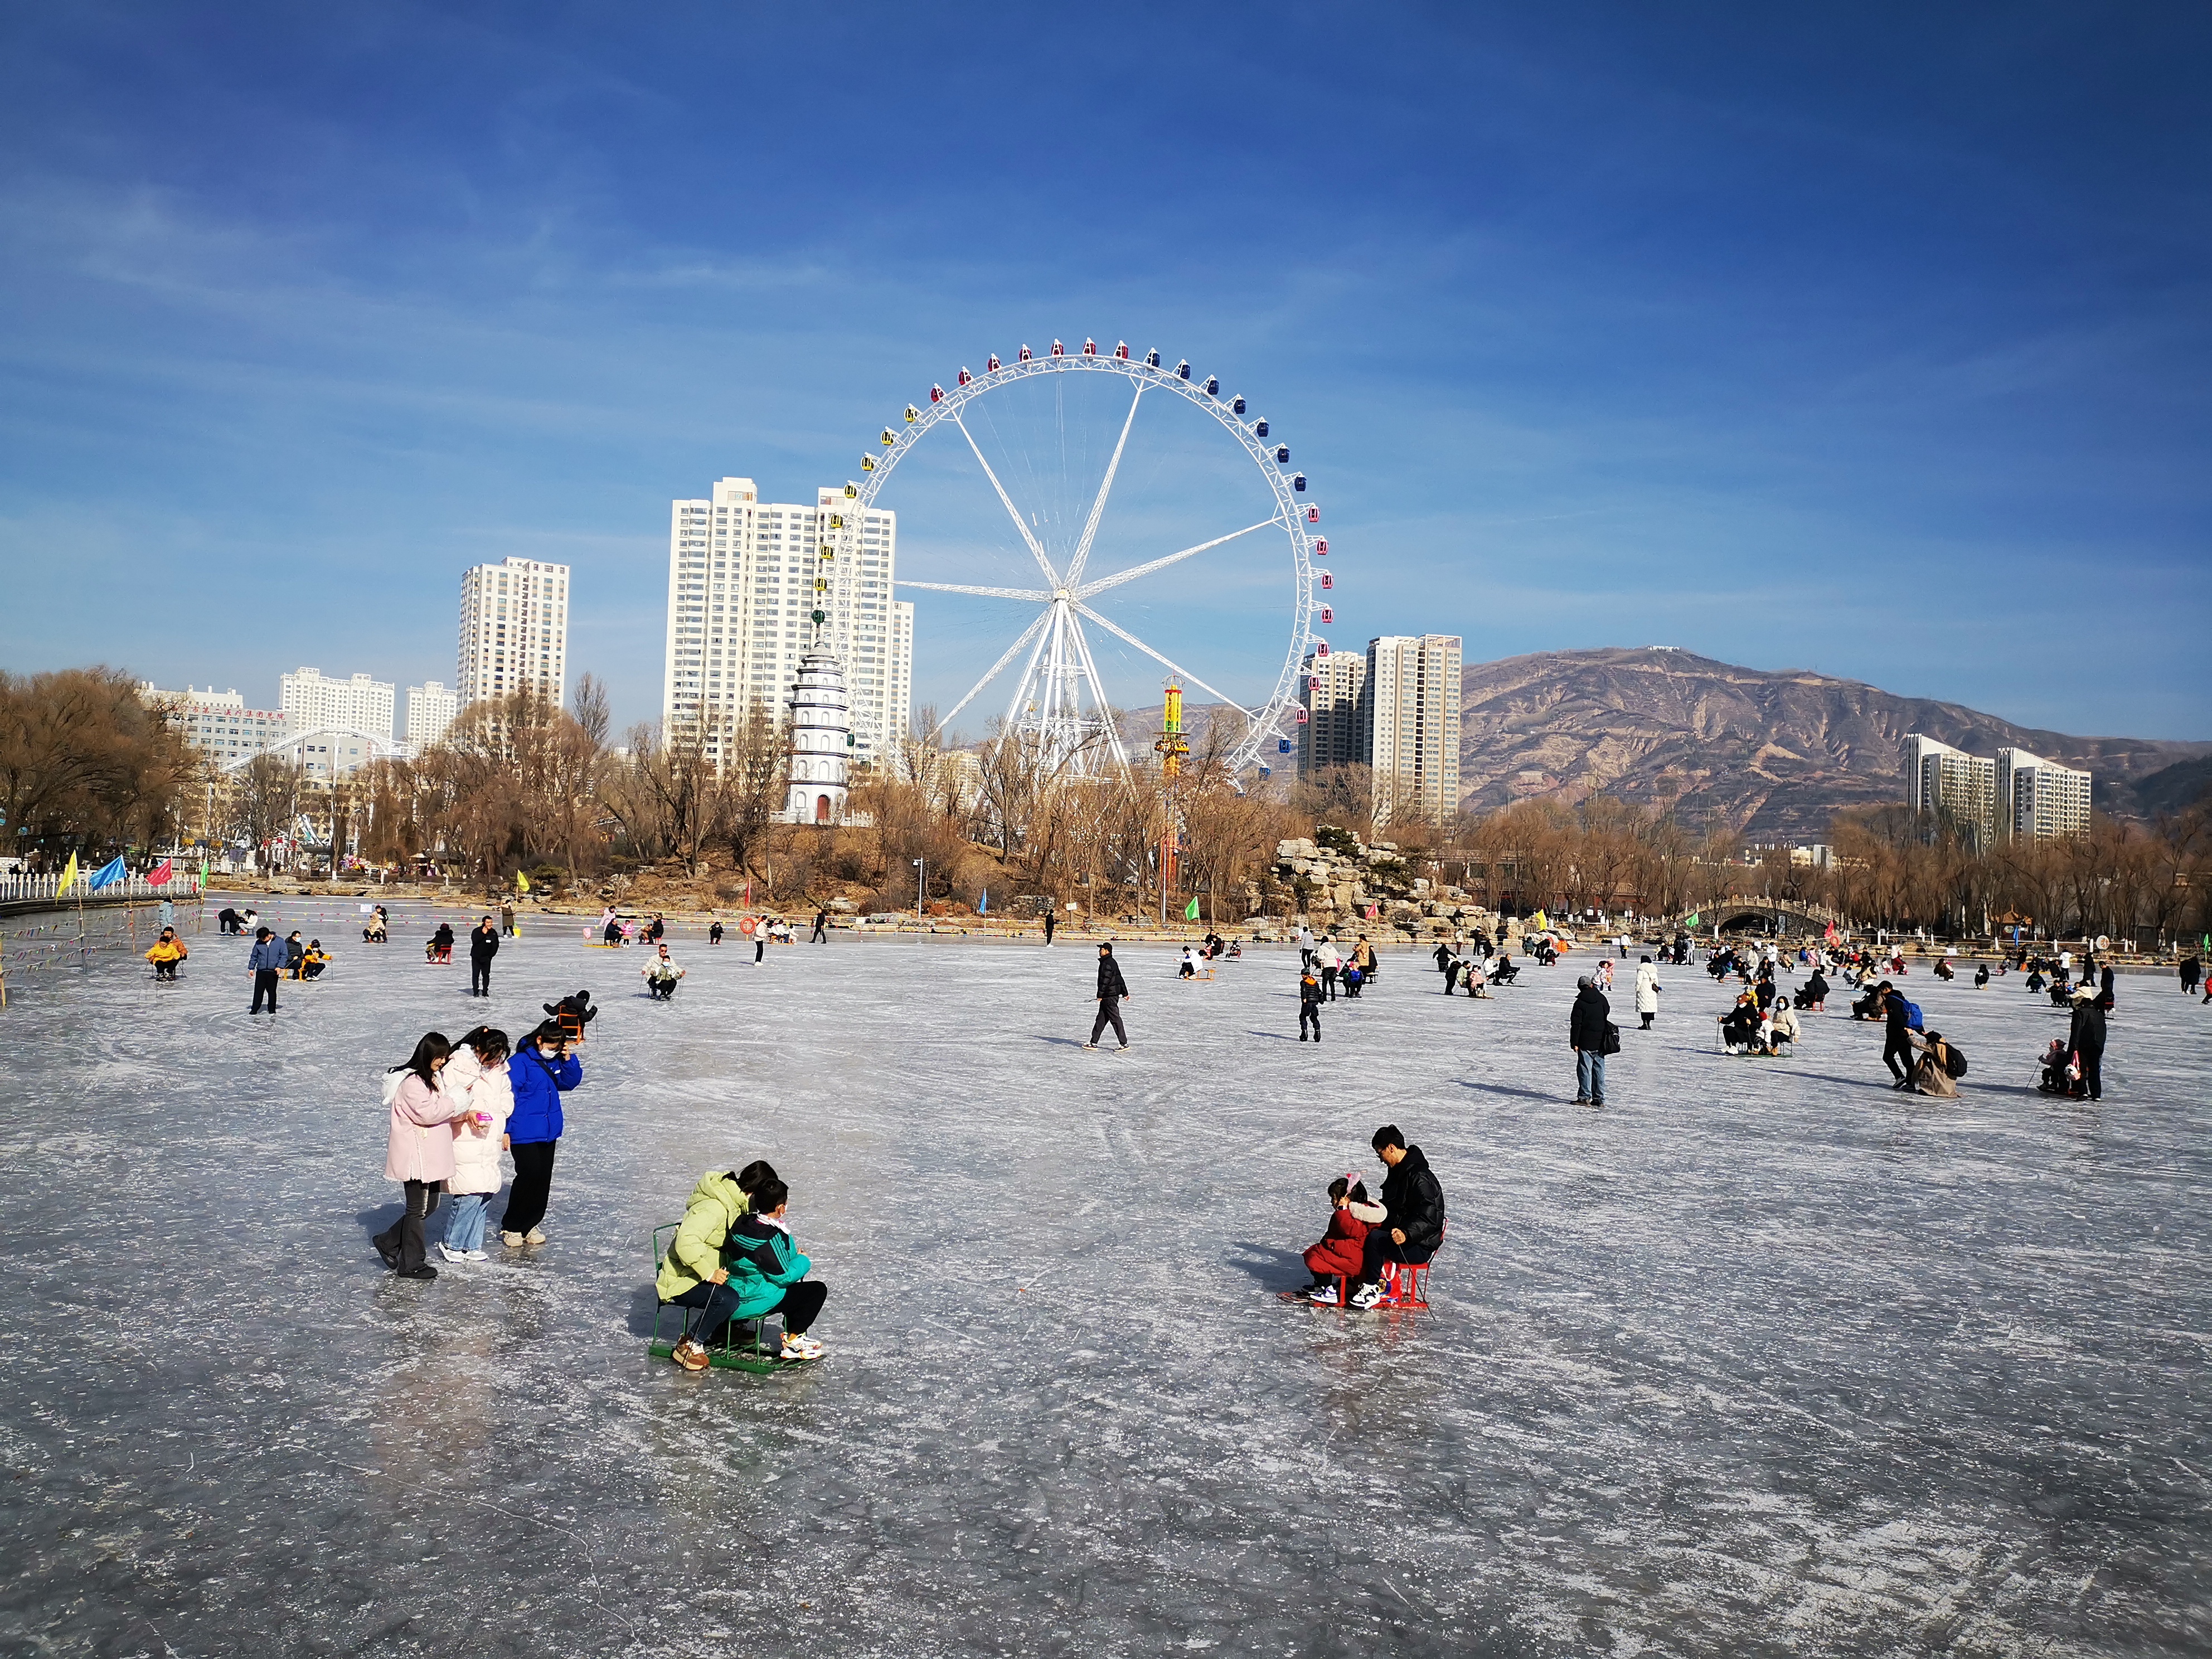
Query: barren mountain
{"type": "Point", "coordinates": [1780, 752]}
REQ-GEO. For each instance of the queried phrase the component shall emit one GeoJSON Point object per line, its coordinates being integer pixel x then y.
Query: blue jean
{"type": "Point", "coordinates": [1590, 1075]}
{"type": "Point", "coordinates": [465, 1222]}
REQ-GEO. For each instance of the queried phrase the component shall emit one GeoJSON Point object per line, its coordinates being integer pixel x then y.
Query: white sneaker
{"type": "Point", "coordinates": [1366, 1296]}
{"type": "Point", "coordinates": [478, 1255]}
{"type": "Point", "coordinates": [533, 1236]}
{"type": "Point", "coordinates": [1324, 1298]}
{"type": "Point", "coordinates": [450, 1252]}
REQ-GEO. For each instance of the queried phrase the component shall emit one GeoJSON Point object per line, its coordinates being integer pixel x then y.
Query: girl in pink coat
{"type": "Point", "coordinates": [419, 1153]}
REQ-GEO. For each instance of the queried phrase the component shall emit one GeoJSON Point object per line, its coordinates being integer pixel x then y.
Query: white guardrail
{"type": "Point", "coordinates": [27, 889]}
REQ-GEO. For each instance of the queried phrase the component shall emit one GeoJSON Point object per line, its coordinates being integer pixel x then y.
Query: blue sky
{"type": "Point", "coordinates": [1875, 339]}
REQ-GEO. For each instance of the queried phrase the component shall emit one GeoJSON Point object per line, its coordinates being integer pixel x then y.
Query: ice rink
{"type": "Point", "coordinates": [1761, 1359]}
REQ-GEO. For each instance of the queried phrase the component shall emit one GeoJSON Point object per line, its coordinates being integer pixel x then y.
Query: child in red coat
{"type": "Point", "coordinates": [1344, 1245]}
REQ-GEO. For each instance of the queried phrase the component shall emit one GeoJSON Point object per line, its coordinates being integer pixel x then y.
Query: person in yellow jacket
{"type": "Point", "coordinates": [167, 952]}
{"type": "Point", "coordinates": [692, 1273]}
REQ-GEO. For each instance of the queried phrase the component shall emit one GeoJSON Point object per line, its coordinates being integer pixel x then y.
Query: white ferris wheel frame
{"type": "Point", "coordinates": [1060, 658]}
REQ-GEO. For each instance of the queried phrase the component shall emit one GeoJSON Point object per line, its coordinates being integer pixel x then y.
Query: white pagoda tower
{"type": "Point", "coordinates": [821, 741]}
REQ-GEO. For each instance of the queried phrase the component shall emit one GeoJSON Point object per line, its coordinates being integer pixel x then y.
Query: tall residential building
{"type": "Point", "coordinates": [514, 630]}
{"type": "Point", "coordinates": [741, 592]}
{"type": "Point", "coordinates": [362, 704]}
{"type": "Point", "coordinates": [430, 709]}
{"type": "Point", "coordinates": [1333, 695]}
{"type": "Point", "coordinates": [2040, 799]}
{"type": "Point", "coordinates": [217, 723]}
{"type": "Point", "coordinates": [1412, 725]}
{"type": "Point", "coordinates": [1950, 783]}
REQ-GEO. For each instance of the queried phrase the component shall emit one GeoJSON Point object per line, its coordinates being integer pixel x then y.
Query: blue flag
{"type": "Point", "coordinates": [108, 875]}
{"type": "Point", "coordinates": [984, 907]}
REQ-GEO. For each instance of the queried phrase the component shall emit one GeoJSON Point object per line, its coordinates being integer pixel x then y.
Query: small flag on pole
{"type": "Point", "coordinates": [68, 877]}
{"type": "Point", "coordinates": [108, 874]}
{"type": "Point", "coordinates": [983, 904]}
{"type": "Point", "coordinates": [160, 874]}
{"type": "Point", "coordinates": [1190, 910]}
{"type": "Point", "coordinates": [521, 882]}
{"type": "Point", "coordinates": [1690, 921]}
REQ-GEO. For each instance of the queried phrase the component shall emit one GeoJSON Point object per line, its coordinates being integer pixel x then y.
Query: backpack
{"type": "Point", "coordinates": [1954, 1062]}
{"type": "Point", "coordinates": [1912, 1016]}
{"type": "Point", "coordinates": [1610, 1043]}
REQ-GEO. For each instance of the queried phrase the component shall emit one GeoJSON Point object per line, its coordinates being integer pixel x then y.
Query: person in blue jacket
{"type": "Point", "coordinates": [266, 962]}
{"type": "Point", "coordinates": [539, 1074]}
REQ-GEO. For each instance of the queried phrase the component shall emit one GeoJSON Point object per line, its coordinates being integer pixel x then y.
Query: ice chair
{"type": "Point", "coordinates": [723, 1357]}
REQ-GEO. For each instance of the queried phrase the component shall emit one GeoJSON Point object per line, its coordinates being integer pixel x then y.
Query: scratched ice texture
{"type": "Point", "coordinates": [1762, 1360]}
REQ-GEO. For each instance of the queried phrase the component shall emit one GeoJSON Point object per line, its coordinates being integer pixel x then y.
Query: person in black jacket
{"type": "Point", "coordinates": [1309, 1001]}
{"type": "Point", "coordinates": [2086, 1041]}
{"type": "Point", "coordinates": [483, 945]}
{"type": "Point", "coordinates": [1413, 1214]}
{"type": "Point", "coordinates": [1586, 1026]}
{"type": "Point", "coordinates": [1896, 1051]}
{"type": "Point", "coordinates": [1112, 989]}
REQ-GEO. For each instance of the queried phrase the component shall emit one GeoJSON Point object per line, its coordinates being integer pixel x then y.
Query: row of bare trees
{"type": "Point", "coordinates": [85, 766]}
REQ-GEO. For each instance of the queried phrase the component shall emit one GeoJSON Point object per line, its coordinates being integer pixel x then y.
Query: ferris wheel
{"type": "Point", "coordinates": [1060, 701]}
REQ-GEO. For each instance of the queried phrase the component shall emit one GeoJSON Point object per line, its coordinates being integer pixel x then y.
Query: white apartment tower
{"type": "Point", "coordinates": [312, 703]}
{"type": "Point", "coordinates": [1950, 783]}
{"type": "Point", "coordinates": [514, 630]}
{"type": "Point", "coordinates": [2040, 799]}
{"type": "Point", "coordinates": [1412, 725]}
{"type": "Point", "coordinates": [743, 579]}
{"type": "Point", "coordinates": [1332, 693]}
{"type": "Point", "coordinates": [430, 709]}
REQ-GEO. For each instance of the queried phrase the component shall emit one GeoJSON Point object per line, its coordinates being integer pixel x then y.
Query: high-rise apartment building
{"type": "Point", "coordinates": [2017, 793]}
{"type": "Point", "coordinates": [2041, 800]}
{"type": "Point", "coordinates": [1413, 725]}
{"type": "Point", "coordinates": [742, 575]}
{"type": "Point", "coordinates": [1333, 692]}
{"type": "Point", "coordinates": [1951, 784]}
{"type": "Point", "coordinates": [430, 709]}
{"type": "Point", "coordinates": [217, 723]}
{"type": "Point", "coordinates": [514, 630]}
{"type": "Point", "coordinates": [313, 703]}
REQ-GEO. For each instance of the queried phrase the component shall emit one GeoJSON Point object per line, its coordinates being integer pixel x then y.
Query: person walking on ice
{"type": "Point", "coordinates": [483, 945]}
{"type": "Point", "coordinates": [265, 963]}
{"type": "Point", "coordinates": [1589, 1025]}
{"type": "Point", "coordinates": [1113, 992]}
{"type": "Point", "coordinates": [1309, 1001]}
{"type": "Point", "coordinates": [1648, 988]}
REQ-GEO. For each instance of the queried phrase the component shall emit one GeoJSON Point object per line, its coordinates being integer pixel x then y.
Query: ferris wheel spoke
{"type": "Point", "coordinates": [1105, 487]}
{"type": "Point", "coordinates": [1033, 595]}
{"type": "Point", "coordinates": [1100, 706]}
{"type": "Point", "coordinates": [1167, 662]}
{"type": "Point", "coordinates": [1012, 651]}
{"type": "Point", "coordinates": [1007, 501]}
{"type": "Point", "coordinates": [1135, 571]}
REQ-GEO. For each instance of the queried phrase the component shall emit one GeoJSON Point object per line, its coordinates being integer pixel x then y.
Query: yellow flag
{"type": "Point", "coordinates": [68, 877]}
{"type": "Point", "coordinates": [521, 882]}
{"type": "Point", "coordinates": [1540, 923]}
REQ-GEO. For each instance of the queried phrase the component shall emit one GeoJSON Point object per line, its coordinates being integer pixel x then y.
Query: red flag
{"type": "Point", "coordinates": [159, 875]}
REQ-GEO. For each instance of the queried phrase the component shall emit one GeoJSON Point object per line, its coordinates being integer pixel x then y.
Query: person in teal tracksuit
{"type": "Point", "coordinates": [769, 1272]}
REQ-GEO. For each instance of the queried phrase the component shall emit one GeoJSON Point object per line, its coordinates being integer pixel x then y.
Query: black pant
{"type": "Point", "coordinates": [1328, 983]}
{"type": "Point", "coordinates": [533, 1182]}
{"type": "Point", "coordinates": [264, 985]}
{"type": "Point", "coordinates": [1381, 1247]}
{"type": "Point", "coordinates": [2092, 1073]}
{"type": "Point", "coordinates": [802, 1305]}
{"type": "Point", "coordinates": [1897, 1054]}
{"type": "Point", "coordinates": [403, 1237]}
{"type": "Point", "coordinates": [760, 945]}
{"type": "Point", "coordinates": [1647, 1019]}
{"type": "Point", "coordinates": [717, 1301]}
{"type": "Point", "coordinates": [820, 938]}
{"type": "Point", "coordinates": [1109, 1013]}
{"type": "Point", "coordinates": [479, 975]}
{"type": "Point", "coordinates": [1310, 1015]}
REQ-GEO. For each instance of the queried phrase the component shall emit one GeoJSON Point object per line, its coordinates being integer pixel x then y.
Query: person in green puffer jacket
{"type": "Point", "coordinates": [693, 1274]}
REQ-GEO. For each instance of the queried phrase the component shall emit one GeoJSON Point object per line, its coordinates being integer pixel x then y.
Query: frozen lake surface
{"type": "Point", "coordinates": [1761, 1359]}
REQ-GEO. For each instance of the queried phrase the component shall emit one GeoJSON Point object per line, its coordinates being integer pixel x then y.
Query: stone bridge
{"type": "Point", "coordinates": [1761, 915]}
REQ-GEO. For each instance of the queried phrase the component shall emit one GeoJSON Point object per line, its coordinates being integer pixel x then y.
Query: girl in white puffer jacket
{"type": "Point", "coordinates": [476, 1078]}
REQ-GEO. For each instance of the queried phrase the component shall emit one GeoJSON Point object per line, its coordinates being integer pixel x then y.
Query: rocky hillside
{"type": "Point", "coordinates": [1782, 751]}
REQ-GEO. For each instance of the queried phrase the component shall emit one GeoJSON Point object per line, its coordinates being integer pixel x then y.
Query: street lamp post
{"type": "Point", "coordinates": [920, 876]}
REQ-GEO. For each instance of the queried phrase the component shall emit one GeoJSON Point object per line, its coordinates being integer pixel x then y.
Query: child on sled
{"type": "Point", "coordinates": [1344, 1246]}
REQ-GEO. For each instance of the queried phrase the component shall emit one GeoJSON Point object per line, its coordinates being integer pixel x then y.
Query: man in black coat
{"type": "Point", "coordinates": [1586, 1024]}
{"type": "Point", "coordinates": [1112, 989]}
{"type": "Point", "coordinates": [1896, 1051]}
{"type": "Point", "coordinates": [2087, 1041]}
{"type": "Point", "coordinates": [1412, 1223]}
{"type": "Point", "coordinates": [483, 945]}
